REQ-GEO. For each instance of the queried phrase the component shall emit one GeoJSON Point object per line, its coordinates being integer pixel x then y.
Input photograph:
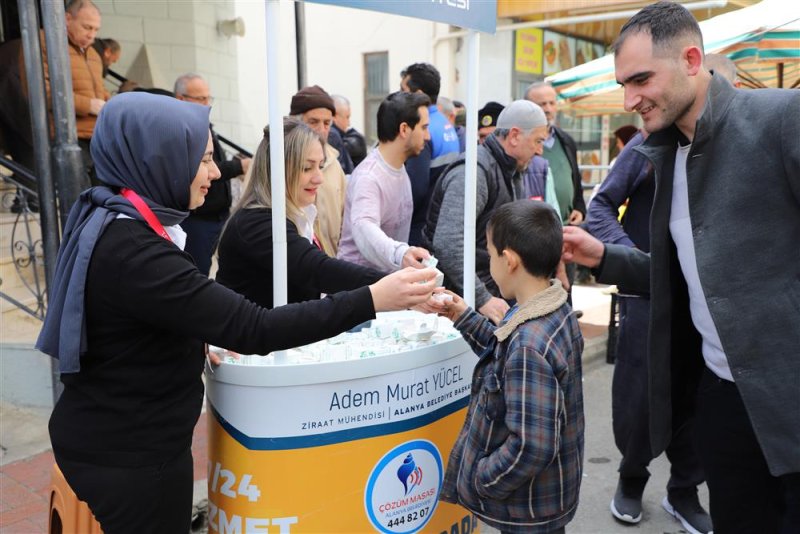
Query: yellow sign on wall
{"type": "Point", "coordinates": [528, 56]}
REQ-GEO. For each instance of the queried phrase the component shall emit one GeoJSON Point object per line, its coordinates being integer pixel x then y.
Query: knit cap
{"type": "Point", "coordinates": [309, 98]}
{"type": "Point", "coordinates": [522, 114]}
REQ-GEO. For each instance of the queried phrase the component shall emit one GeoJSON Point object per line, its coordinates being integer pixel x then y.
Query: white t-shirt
{"type": "Point", "coordinates": [680, 227]}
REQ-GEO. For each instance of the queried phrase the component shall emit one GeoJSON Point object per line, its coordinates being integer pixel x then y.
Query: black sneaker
{"type": "Point", "coordinates": [685, 506]}
{"type": "Point", "coordinates": [626, 505]}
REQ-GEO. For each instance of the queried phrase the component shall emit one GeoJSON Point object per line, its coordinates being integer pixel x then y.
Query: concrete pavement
{"type": "Point", "coordinates": [600, 470]}
{"type": "Point", "coordinates": [601, 455]}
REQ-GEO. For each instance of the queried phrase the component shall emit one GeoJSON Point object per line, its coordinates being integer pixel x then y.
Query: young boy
{"type": "Point", "coordinates": [518, 459]}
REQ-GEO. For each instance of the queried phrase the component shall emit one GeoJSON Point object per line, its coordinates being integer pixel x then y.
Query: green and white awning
{"type": "Point", "coordinates": [763, 40]}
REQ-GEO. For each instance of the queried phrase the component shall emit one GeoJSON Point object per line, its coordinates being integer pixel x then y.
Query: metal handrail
{"type": "Point", "coordinates": [234, 146]}
{"type": "Point", "coordinates": [24, 177]}
{"type": "Point", "coordinates": [117, 76]}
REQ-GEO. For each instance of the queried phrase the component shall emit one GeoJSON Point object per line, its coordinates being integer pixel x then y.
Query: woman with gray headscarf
{"type": "Point", "coordinates": [129, 314]}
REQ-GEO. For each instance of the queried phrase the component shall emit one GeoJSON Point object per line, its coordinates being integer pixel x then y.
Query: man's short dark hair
{"type": "Point", "coordinates": [109, 44]}
{"type": "Point", "coordinates": [396, 109]}
{"type": "Point", "coordinates": [533, 230]}
{"type": "Point", "coordinates": [665, 22]}
{"type": "Point", "coordinates": [423, 77]}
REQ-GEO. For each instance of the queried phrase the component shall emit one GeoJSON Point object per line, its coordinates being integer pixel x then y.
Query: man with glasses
{"type": "Point", "coordinates": [204, 224]}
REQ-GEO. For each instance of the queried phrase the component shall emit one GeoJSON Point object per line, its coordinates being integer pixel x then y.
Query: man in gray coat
{"type": "Point", "coordinates": [520, 134]}
{"type": "Point", "coordinates": [724, 267]}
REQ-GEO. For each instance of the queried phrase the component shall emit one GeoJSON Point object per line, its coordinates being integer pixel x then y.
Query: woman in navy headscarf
{"type": "Point", "coordinates": [129, 315]}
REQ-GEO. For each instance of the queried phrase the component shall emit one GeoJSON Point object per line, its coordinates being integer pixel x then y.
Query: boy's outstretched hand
{"type": "Point", "coordinates": [435, 304]}
{"type": "Point", "coordinates": [454, 307]}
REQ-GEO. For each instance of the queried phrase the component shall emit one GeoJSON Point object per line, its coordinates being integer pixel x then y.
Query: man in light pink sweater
{"type": "Point", "coordinates": [378, 204]}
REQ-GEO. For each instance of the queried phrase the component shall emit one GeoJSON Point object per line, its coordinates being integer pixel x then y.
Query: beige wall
{"type": "Point", "coordinates": [336, 39]}
{"type": "Point", "coordinates": [163, 39]}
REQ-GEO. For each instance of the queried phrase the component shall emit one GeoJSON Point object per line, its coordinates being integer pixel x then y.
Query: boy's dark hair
{"type": "Point", "coordinates": [666, 22]}
{"type": "Point", "coordinates": [533, 230]}
{"type": "Point", "coordinates": [424, 77]}
{"type": "Point", "coordinates": [396, 109]}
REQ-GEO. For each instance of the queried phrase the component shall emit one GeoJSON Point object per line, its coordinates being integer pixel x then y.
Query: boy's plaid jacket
{"type": "Point", "coordinates": [517, 462]}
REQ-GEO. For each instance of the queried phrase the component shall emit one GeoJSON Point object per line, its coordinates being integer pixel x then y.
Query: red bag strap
{"type": "Point", "coordinates": [145, 212]}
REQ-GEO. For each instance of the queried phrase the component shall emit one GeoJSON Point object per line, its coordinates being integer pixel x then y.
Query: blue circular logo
{"type": "Point", "coordinates": [403, 489]}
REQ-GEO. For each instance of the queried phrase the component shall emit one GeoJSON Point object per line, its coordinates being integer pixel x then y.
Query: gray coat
{"type": "Point", "coordinates": [743, 174]}
{"type": "Point", "coordinates": [498, 182]}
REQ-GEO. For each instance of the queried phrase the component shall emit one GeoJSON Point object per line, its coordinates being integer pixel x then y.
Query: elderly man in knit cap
{"type": "Point", "coordinates": [504, 155]}
{"type": "Point", "coordinates": [315, 107]}
{"type": "Point", "coordinates": [487, 119]}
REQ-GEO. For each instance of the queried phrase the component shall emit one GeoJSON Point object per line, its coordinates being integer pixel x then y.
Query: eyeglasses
{"type": "Point", "coordinates": [199, 99]}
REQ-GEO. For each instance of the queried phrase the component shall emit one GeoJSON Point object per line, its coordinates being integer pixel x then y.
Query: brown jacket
{"type": "Point", "coordinates": [87, 83]}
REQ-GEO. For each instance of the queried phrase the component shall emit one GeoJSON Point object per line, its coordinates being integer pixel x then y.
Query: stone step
{"type": "Point", "coordinates": [20, 294]}
{"type": "Point", "coordinates": [18, 275]}
{"type": "Point", "coordinates": [15, 237]}
{"type": "Point", "coordinates": [26, 385]}
{"type": "Point", "coordinates": [17, 325]}
{"type": "Point", "coordinates": [13, 228]}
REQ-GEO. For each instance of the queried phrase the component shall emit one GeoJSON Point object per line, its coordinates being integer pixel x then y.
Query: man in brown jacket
{"type": "Point", "coordinates": [83, 23]}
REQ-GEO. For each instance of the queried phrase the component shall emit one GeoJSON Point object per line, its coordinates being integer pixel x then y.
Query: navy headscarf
{"type": "Point", "coordinates": [150, 144]}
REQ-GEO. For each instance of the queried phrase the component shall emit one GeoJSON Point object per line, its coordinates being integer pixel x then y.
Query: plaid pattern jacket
{"type": "Point", "coordinates": [517, 462]}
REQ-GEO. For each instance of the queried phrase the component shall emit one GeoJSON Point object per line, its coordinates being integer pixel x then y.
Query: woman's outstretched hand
{"type": "Point", "coordinates": [403, 289]}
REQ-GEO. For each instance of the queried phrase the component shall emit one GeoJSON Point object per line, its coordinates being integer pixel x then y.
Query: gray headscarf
{"type": "Point", "coordinates": [147, 143]}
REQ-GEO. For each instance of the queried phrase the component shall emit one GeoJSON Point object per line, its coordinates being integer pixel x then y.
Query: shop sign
{"type": "Point", "coordinates": [528, 51]}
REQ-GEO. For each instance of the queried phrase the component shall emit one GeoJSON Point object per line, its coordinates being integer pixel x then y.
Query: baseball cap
{"type": "Point", "coordinates": [487, 115]}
